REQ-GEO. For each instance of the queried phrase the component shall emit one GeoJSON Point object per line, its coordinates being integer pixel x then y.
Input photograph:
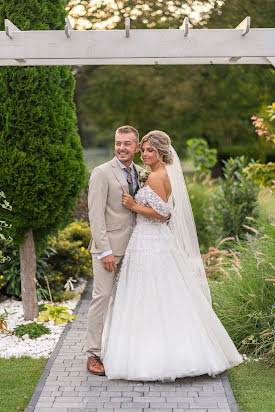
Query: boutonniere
{"type": "Point", "coordinates": [143, 175]}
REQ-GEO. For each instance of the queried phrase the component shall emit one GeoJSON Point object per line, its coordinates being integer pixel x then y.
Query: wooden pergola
{"type": "Point", "coordinates": [242, 45]}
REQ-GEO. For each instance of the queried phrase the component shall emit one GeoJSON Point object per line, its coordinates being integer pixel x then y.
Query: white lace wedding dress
{"type": "Point", "coordinates": [159, 325]}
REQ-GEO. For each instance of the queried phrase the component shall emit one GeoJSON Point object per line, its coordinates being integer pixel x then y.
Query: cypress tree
{"type": "Point", "coordinates": [42, 169]}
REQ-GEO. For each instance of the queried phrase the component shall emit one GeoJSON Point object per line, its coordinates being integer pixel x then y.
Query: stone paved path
{"type": "Point", "coordinates": [67, 386]}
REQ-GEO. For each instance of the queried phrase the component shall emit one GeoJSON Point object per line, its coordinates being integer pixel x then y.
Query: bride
{"type": "Point", "coordinates": [160, 324]}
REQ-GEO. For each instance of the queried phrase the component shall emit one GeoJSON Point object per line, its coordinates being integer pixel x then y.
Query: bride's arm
{"type": "Point", "coordinates": [157, 186]}
{"type": "Point", "coordinates": [145, 211]}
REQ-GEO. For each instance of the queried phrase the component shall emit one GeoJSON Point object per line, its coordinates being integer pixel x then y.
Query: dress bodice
{"type": "Point", "coordinates": [147, 197]}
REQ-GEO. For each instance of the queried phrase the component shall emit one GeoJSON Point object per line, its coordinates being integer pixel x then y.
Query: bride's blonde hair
{"type": "Point", "coordinates": [161, 142]}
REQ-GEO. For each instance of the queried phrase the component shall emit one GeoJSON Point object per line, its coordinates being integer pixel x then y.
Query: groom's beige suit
{"type": "Point", "coordinates": [111, 225]}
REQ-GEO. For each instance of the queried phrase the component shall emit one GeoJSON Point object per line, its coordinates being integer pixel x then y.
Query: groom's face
{"type": "Point", "coordinates": [126, 146]}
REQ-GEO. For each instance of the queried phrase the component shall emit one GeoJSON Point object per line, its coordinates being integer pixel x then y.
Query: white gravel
{"type": "Point", "coordinates": [12, 345]}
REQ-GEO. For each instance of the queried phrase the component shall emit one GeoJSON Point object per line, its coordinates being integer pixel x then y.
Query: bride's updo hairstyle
{"type": "Point", "coordinates": [161, 142]}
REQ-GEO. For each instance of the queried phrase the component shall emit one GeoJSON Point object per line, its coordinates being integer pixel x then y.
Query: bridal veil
{"type": "Point", "coordinates": [182, 223]}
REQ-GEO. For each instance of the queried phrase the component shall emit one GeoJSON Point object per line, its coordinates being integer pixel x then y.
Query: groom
{"type": "Point", "coordinates": [111, 225]}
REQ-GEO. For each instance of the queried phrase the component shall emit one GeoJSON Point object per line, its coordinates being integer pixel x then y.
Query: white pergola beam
{"type": "Point", "coordinates": [129, 61]}
{"type": "Point", "coordinates": [149, 46]}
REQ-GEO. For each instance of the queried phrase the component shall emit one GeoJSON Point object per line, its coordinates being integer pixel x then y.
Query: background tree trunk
{"type": "Point", "coordinates": [28, 277]}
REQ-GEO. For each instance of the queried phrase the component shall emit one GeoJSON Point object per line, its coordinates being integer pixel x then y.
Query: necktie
{"type": "Point", "coordinates": [129, 180]}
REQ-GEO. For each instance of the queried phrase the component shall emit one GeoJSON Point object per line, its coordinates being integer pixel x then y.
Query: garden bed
{"type": "Point", "coordinates": [14, 346]}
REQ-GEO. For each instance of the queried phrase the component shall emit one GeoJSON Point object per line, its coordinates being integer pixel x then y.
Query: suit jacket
{"type": "Point", "coordinates": [111, 223]}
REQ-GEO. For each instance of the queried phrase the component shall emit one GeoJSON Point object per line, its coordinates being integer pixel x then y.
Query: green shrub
{"type": "Point", "coordinates": [244, 299]}
{"type": "Point", "coordinates": [232, 202]}
{"type": "Point", "coordinates": [10, 270]}
{"type": "Point", "coordinates": [202, 156]}
{"type": "Point", "coordinates": [199, 194]}
{"type": "Point", "coordinates": [72, 260]}
{"type": "Point", "coordinates": [33, 329]}
{"type": "Point", "coordinates": [65, 257]}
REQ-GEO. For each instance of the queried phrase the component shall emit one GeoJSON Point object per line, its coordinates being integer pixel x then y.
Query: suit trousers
{"type": "Point", "coordinates": [103, 282]}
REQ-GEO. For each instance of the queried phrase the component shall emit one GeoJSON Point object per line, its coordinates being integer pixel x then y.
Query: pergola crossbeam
{"type": "Point", "coordinates": [144, 46]}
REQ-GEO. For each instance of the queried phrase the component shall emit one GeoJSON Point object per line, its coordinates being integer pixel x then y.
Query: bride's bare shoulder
{"type": "Point", "coordinates": [156, 181]}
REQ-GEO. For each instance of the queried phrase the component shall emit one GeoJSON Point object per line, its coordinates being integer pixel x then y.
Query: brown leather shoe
{"type": "Point", "coordinates": [95, 365]}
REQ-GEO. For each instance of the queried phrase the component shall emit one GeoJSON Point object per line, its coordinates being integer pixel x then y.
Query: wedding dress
{"type": "Point", "coordinates": [159, 324]}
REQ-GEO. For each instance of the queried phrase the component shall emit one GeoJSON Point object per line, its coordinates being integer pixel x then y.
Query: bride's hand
{"type": "Point", "coordinates": [128, 201]}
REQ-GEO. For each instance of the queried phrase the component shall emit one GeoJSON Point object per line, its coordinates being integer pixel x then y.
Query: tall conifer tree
{"type": "Point", "coordinates": [42, 169]}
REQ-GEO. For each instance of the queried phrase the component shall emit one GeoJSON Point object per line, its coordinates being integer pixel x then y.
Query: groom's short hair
{"type": "Point", "coordinates": [128, 129]}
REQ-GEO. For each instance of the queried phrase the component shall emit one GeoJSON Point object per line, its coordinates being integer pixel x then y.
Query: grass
{"type": "Point", "coordinates": [253, 385]}
{"type": "Point", "coordinates": [18, 379]}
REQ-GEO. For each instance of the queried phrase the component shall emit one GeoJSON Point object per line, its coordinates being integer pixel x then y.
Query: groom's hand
{"type": "Point", "coordinates": [109, 263]}
{"type": "Point", "coordinates": [128, 201]}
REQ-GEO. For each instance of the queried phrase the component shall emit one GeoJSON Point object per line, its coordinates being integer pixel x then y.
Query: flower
{"type": "Point", "coordinates": [82, 248]}
{"type": "Point", "coordinates": [143, 175]}
{"type": "Point", "coordinates": [68, 285]}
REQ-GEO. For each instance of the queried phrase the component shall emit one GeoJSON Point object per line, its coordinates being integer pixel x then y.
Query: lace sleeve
{"type": "Point", "coordinates": [156, 203]}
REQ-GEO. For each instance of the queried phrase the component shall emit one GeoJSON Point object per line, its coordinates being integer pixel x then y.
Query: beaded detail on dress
{"type": "Point", "coordinates": [147, 197]}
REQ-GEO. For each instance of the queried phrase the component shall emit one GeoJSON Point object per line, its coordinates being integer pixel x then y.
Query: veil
{"type": "Point", "coordinates": [182, 223]}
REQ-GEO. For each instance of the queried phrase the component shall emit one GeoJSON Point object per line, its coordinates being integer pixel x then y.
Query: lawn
{"type": "Point", "coordinates": [253, 385]}
{"type": "Point", "coordinates": [18, 379]}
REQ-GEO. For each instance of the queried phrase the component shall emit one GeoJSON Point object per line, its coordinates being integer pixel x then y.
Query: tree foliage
{"type": "Point", "coordinates": [210, 102]}
{"type": "Point", "coordinates": [42, 169]}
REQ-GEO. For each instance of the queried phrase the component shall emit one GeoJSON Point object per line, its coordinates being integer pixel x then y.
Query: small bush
{"type": "Point", "coordinates": [232, 202]}
{"type": "Point", "coordinates": [58, 314]}
{"type": "Point", "coordinates": [33, 329]}
{"type": "Point", "coordinates": [65, 257]}
{"type": "Point", "coordinates": [200, 198]}
{"type": "Point", "coordinates": [72, 258]}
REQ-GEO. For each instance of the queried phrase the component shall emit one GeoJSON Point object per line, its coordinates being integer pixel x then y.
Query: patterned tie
{"type": "Point", "coordinates": [129, 180]}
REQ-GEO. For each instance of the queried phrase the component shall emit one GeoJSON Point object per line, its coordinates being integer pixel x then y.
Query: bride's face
{"type": "Point", "coordinates": [149, 155]}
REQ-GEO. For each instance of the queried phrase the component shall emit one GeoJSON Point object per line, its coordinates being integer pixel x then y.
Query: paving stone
{"type": "Point", "coordinates": [163, 405]}
{"type": "Point", "coordinates": [159, 410]}
{"type": "Point", "coordinates": [82, 410]}
{"type": "Point", "coordinates": [44, 404]}
{"type": "Point", "coordinates": [69, 399]}
{"type": "Point", "coordinates": [126, 410]}
{"type": "Point", "coordinates": [46, 409]}
{"type": "Point", "coordinates": [131, 405]}
{"type": "Point", "coordinates": [218, 410]}
{"type": "Point", "coordinates": [69, 405]}
{"type": "Point", "coordinates": [194, 410]}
